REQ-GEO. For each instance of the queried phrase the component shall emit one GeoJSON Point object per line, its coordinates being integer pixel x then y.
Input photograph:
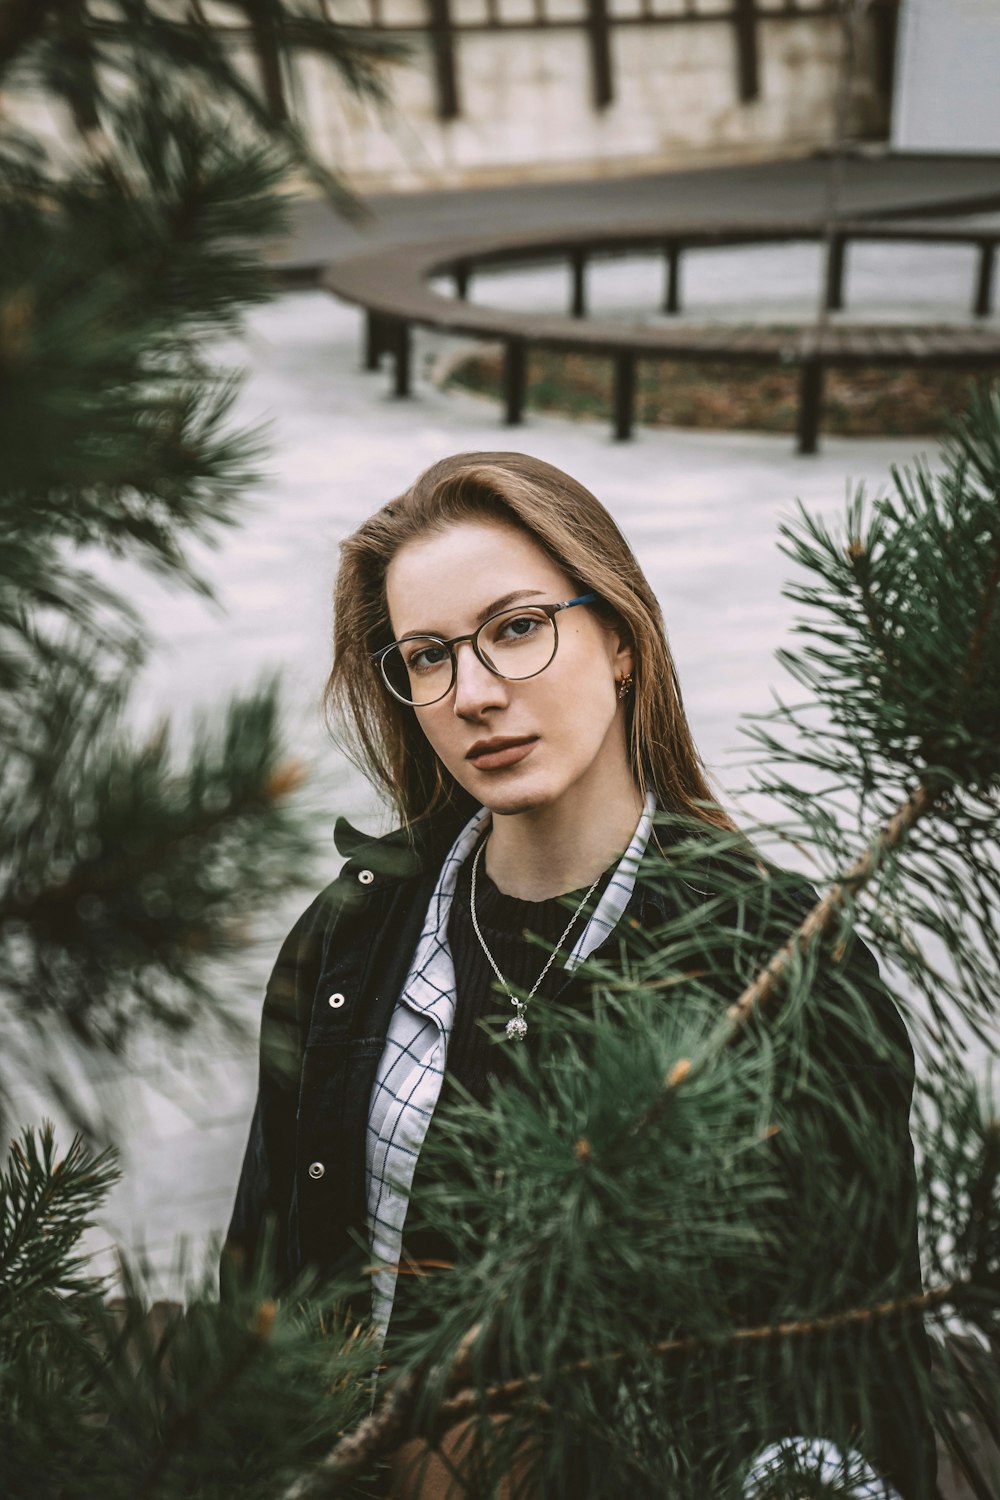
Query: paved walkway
{"type": "Point", "coordinates": [765, 190]}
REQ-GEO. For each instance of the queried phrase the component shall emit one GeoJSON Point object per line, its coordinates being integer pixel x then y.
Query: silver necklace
{"type": "Point", "coordinates": [517, 1027]}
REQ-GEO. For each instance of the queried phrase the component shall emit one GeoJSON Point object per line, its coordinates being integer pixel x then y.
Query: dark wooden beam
{"type": "Point", "coordinates": [747, 58]}
{"type": "Point", "coordinates": [267, 41]}
{"type": "Point", "coordinates": [885, 35]}
{"type": "Point", "coordinates": [599, 31]}
{"type": "Point", "coordinates": [442, 39]}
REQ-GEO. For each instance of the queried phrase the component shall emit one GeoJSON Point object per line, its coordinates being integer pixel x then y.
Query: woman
{"type": "Point", "coordinates": [502, 665]}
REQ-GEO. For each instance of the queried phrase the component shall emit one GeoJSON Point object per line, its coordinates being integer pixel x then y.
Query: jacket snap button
{"type": "Point", "coordinates": [336, 1001]}
{"type": "Point", "coordinates": [316, 1169]}
{"type": "Point", "coordinates": [366, 877]}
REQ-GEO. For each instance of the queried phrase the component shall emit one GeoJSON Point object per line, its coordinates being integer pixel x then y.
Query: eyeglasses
{"type": "Point", "coordinates": [514, 644]}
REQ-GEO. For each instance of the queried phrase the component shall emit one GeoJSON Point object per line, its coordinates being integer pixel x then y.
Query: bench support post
{"type": "Point", "coordinates": [462, 275]}
{"type": "Point", "coordinates": [624, 395]}
{"type": "Point", "coordinates": [672, 298]}
{"type": "Point", "coordinates": [578, 265]}
{"type": "Point", "coordinates": [374, 339]}
{"type": "Point", "coordinates": [983, 303]}
{"type": "Point", "coordinates": [835, 257]}
{"type": "Point", "coordinates": [401, 349]}
{"type": "Point", "coordinates": [514, 381]}
{"type": "Point", "coordinates": [810, 404]}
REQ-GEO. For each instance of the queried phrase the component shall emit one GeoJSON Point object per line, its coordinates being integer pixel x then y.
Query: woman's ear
{"type": "Point", "coordinates": [625, 654]}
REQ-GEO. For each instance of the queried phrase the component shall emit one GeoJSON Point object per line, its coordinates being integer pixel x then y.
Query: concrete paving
{"type": "Point", "coordinates": [701, 510]}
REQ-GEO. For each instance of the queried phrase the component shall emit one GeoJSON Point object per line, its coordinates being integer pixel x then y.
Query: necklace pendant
{"type": "Point", "coordinates": [517, 1029]}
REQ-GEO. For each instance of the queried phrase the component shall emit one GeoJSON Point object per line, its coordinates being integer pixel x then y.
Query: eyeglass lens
{"type": "Point", "coordinates": [518, 643]}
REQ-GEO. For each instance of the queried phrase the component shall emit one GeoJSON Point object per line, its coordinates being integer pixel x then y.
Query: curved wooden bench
{"type": "Point", "coordinates": [392, 286]}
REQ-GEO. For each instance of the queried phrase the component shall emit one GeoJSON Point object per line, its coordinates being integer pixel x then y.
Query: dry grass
{"type": "Point", "coordinates": [717, 394]}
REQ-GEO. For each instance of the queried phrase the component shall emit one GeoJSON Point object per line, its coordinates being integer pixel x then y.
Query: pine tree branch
{"type": "Point", "coordinates": [22, 22]}
{"type": "Point", "coordinates": [818, 922]}
{"type": "Point", "coordinates": [977, 1239]}
{"type": "Point", "coordinates": [381, 1432]}
{"type": "Point", "coordinates": [499, 1398]}
{"type": "Point", "coordinates": [375, 1436]}
{"type": "Point", "coordinates": [53, 906]}
{"type": "Point", "coordinates": [189, 1418]}
{"type": "Point", "coordinates": [859, 560]}
{"type": "Point", "coordinates": [763, 991]}
{"type": "Point", "coordinates": [45, 1205]}
{"type": "Point", "coordinates": [980, 631]}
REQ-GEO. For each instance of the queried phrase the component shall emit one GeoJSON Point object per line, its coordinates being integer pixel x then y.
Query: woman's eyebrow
{"type": "Point", "coordinates": [493, 608]}
{"type": "Point", "coordinates": [504, 600]}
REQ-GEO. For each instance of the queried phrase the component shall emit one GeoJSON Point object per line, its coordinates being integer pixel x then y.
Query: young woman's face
{"type": "Point", "coordinates": [514, 745]}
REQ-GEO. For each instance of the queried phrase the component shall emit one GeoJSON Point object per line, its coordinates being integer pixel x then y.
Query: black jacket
{"type": "Point", "coordinates": [326, 1011]}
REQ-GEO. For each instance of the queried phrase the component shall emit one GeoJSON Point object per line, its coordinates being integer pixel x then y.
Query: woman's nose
{"type": "Point", "coordinates": [476, 687]}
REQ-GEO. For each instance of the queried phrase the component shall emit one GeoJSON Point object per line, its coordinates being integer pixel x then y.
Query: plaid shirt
{"type": "Point", "coordinates": [411, 1070]}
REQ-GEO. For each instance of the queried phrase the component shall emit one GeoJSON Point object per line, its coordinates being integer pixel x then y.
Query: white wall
{"type": "Point", "coordinates": [947, 95]}
{"type": "Point", "coordinates": [526, 99]}
{"type": "Point", "coordinates": [527, 111]}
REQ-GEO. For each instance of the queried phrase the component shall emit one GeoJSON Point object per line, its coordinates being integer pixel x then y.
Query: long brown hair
{"type": "Point", "coordinates": [572, 527]}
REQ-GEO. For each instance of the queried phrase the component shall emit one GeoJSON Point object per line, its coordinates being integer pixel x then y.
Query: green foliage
{"type": "Point", "coordinates": [44, 1206]}
{"type": "Point", "coordinates": [694, 1227]}
{"type": "Point", "coordinates": [125, 866]}
{"type": "Point", "coordinates": [640, 1239]}
{"type": "Point", "coordinates": [84, 58]}
{"type": "Point", "coordinates": [901, 663]}
{"type": "Point", "coordinates": [680, 1234]}
{"type": "Point", "coordinates": [129, 1399]}
{"type": "Point", "coordinates": [131, 871]}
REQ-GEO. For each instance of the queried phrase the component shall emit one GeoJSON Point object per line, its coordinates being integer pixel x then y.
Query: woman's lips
{"type": "Point", "coordinates": [504, 755]}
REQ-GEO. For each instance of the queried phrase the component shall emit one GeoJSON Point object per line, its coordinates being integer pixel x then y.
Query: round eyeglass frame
{"type": "Point", "coordinates": [473, 638]}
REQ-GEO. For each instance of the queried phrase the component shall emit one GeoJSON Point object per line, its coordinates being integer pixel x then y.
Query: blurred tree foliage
{"type": "Point", "coordinates": [636, 1290]}
{"type": "Point", "coordinates": [132, 236]}
{"type": "Point", "coordinates": [682, 1235]}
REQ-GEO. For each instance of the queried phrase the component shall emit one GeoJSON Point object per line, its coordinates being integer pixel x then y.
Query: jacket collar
{"type": "Point", "coordinates": [416, 848]}
{"type": "Point", "coordinates": [405, 851]}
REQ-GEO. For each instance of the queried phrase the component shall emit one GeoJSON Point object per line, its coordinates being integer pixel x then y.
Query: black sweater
{"type": "Point", "coordinates": [478, 1049]}
{"type": "Point", "coordinates": [473, 1055]}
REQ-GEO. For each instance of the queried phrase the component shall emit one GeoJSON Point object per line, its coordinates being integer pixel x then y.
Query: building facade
{"type": "Point", "coordinates": [501, 90]}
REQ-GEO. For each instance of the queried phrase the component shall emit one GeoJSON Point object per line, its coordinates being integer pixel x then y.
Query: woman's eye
{"type": "Point", "coordinates": [519, 628]}
{"type": "Point", "coordinates": [426, 658]}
